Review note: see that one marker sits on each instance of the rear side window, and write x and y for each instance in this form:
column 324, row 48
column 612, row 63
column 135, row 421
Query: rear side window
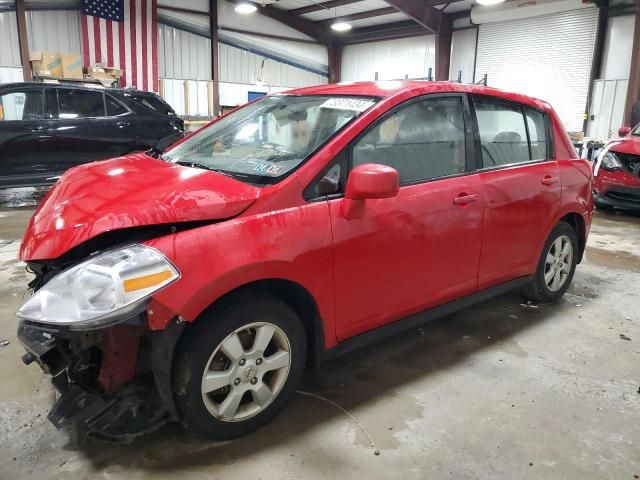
column 503, row 135
column 537, row 133
column 114, row 107
column 423, row 140
column 25, row 105
column 153, row 103
column 80, row 104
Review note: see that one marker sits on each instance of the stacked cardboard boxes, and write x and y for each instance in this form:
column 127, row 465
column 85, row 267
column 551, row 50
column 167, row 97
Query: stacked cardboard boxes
column 69, row 66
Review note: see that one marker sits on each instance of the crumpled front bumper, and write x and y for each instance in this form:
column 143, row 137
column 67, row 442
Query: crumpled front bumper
column 106, row 384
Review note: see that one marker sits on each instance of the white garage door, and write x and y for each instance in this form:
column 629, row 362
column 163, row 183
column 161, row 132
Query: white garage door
column 547, row 57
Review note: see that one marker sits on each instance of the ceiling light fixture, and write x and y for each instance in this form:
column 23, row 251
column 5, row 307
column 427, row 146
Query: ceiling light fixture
column 341, row 26
column 489, row 2
column 245, row 8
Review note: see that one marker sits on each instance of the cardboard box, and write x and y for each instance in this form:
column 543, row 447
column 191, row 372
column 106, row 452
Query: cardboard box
column 72, row 66
column 46, row 64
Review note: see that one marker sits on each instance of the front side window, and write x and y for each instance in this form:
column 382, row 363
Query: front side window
column 422, row 141
column 151, row 102
column 503, row 135
column 80, row 104
column 265, row 140
column 22, row 106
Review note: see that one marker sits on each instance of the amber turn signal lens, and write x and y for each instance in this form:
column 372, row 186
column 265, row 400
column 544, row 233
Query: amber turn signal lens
column 146, row 281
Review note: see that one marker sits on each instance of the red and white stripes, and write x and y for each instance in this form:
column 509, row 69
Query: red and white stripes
column 131, row 45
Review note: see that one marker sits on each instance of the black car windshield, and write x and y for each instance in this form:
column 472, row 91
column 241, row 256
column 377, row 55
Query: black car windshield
column 265, row 140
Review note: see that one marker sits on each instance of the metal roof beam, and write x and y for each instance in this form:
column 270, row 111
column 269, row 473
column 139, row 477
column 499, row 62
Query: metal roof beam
column 360, row 15
column 422, row 13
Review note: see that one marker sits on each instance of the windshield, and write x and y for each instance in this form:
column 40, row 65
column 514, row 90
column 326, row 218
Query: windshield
column 636, row 131
column 269, row 138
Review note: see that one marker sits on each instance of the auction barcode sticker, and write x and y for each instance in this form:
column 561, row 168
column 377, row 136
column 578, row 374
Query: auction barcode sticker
column 353, row 104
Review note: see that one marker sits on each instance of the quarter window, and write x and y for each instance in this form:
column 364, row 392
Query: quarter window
column 26, row 105
column 537, row 134
column 503, row 135
column 422, row 141
column 80, row 104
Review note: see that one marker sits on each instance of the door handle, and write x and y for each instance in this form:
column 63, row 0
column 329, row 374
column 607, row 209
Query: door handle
column 123, row 124
column 38, row 129
column 549, row 180
column 464, row 199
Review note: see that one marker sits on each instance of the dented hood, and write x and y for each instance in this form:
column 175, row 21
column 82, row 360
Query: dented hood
column 132, row 191
column 629, row 145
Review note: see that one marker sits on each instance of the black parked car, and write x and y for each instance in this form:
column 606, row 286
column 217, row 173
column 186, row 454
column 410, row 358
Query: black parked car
column 47, row 128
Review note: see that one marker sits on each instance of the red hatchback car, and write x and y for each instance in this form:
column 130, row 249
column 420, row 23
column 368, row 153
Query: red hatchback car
column 617, row 172
column 199, row 285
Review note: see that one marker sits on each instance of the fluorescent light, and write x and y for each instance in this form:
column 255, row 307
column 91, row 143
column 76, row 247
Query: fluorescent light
column 245, row 8
column 341, row 26
column 489, row 2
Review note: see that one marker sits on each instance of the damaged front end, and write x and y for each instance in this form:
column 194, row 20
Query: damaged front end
column 87, row 326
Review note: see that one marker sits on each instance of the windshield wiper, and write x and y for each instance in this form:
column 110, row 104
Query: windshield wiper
column 204, row 167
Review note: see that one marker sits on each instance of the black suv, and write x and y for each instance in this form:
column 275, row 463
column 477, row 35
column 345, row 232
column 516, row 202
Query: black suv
column 46, row 128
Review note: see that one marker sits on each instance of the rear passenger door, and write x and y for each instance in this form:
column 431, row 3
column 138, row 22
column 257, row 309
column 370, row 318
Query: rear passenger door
column 421, row 248
column 521, row 188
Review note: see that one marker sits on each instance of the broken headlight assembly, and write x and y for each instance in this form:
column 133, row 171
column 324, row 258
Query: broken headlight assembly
column 101, row 291
column 610, row 161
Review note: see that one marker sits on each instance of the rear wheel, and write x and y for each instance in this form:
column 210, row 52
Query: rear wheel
column 556, row 266
column 238, row 366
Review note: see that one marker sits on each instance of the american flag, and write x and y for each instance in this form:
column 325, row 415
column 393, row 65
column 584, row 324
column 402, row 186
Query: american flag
column 123, row 34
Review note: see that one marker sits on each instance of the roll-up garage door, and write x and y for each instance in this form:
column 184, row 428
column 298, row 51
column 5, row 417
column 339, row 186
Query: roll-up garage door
column 548, row 57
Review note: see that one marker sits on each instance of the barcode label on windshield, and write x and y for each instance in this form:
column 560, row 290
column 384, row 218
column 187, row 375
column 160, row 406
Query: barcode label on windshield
column 353, row 104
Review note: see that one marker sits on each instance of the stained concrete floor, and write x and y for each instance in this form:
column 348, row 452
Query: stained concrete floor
column 501, row 390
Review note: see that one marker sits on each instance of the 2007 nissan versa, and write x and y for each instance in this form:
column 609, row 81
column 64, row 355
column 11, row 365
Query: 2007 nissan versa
column 197, row 286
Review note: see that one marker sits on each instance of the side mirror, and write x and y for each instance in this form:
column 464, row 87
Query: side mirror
column 624, row 131
column 371, row 180
column 368, row 180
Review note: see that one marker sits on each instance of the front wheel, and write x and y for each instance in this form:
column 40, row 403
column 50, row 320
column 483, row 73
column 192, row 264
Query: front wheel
column 237, row 367
column 556, row 266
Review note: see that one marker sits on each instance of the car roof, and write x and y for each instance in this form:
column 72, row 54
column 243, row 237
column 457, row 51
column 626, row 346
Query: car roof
column 79, row 86
column 389, row 88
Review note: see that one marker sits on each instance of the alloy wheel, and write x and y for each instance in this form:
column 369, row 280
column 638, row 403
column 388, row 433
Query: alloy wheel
column 246, row 372
column 558, row 263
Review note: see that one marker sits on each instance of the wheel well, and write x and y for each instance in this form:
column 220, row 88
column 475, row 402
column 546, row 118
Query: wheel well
column 577, row 223
column 299, row 299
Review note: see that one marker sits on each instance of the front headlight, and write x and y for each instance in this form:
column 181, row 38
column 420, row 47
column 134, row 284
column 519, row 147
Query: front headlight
column 610, row 161
column 101, row 290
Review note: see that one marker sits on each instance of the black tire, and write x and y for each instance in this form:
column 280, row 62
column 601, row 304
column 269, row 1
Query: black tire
column 537, row 290
column 201, row 339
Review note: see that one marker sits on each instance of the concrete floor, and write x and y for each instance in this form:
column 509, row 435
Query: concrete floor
column 501, row 390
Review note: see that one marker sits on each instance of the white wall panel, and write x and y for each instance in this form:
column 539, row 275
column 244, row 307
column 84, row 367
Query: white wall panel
column 548, row 57
column 392, row 59
column 54, row 30
column 183, row 55
column 9, row 48
column 607, row 108
column 463, row 54
column 10, row 74
column 616, row 58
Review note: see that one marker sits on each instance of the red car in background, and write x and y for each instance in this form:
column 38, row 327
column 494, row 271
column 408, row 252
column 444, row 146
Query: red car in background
column 617, row 172
column 197, row 286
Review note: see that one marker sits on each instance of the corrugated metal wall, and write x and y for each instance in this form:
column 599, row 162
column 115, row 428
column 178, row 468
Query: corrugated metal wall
column 547, row 57
column 54, row 31
column 51, row 30
column 184, row 55
column 391, row 59
column 9, row 48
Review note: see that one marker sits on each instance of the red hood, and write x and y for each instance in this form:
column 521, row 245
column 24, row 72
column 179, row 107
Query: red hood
column 629, row 145
column 130, row 191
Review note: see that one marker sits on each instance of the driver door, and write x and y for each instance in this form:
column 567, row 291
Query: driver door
column 421, row 248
